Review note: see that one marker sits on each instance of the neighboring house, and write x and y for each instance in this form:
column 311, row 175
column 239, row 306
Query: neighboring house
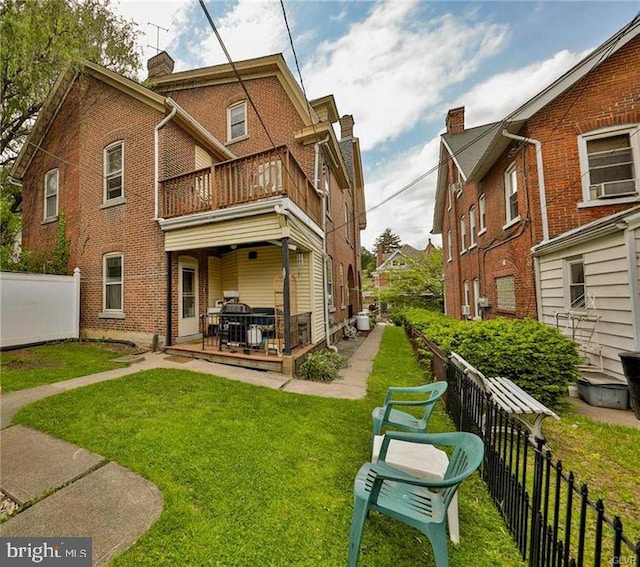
column 174, row 193
column 391, row 261
column 539, row 213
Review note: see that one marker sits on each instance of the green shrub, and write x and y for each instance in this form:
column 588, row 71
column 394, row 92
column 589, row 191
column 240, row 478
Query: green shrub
column 322, row 366
column 535, row 356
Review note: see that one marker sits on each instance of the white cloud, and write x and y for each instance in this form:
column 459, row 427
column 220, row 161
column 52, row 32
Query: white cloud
column 390, row 68
column 500, row 94
column 410, row 215
column 250, row 29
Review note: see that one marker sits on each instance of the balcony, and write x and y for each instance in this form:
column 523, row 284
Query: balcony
column 244, row 180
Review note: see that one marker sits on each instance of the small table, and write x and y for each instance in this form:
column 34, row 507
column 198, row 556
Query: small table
column 422, row 461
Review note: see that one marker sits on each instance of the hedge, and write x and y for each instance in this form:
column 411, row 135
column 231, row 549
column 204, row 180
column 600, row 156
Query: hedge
column 535, row 356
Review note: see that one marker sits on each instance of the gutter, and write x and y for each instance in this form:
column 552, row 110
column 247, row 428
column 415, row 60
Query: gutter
column 541, row 185
column 156, row 157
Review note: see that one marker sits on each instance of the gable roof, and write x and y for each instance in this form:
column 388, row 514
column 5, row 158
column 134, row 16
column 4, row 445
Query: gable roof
column 65, row 82
column 479, row 153
column 406, row 250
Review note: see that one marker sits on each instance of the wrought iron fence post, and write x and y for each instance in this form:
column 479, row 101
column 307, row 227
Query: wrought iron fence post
column 536, row 497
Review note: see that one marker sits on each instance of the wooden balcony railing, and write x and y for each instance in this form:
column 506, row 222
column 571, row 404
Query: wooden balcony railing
column 243, row 180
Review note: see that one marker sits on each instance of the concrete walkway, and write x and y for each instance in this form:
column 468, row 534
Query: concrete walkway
column 73, row 492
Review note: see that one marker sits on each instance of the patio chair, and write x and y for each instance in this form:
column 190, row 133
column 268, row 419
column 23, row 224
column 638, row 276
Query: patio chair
column 418, row 502
column 386, row 415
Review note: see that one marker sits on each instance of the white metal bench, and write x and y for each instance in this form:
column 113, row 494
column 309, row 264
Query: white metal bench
column 510, row 397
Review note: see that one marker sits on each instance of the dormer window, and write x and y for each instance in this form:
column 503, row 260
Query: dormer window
column 237, row 121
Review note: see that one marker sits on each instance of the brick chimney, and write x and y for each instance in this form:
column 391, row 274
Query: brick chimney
column 346, row 126
column 160, row 65
column 455, row 120
column 379, row 257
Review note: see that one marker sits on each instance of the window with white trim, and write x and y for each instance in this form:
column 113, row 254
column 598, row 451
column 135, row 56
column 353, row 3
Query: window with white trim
column 51, row 186
column 113, row 282
column 342, row 295
column 476, row 296
column 482, row 207
column 114, row 172
column 330, row 282
column 575, row 283
column 511, row 194
column 467, row 299
column 463, row 234
column 506, row 293
column 449, row 246
column 237, row 120
column 472, row 227
column 610, row 164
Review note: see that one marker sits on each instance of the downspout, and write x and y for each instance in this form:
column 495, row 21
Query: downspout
column 541, row 185
column 156, row 143
column 324, row 244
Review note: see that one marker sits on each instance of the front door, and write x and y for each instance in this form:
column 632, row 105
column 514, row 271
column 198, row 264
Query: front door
column 188, row 323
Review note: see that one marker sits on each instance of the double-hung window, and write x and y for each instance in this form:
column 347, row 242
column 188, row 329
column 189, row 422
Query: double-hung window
column 330, row 283
column 51, row 185
column 113, row 282
column 511, row 194
column 114, row 172
column 610, row 165
column 449, row 247
column 237, row 120
column 463, row 234
column 482, row 209
column 575, row 277
column 342, row 294
column 472, row 227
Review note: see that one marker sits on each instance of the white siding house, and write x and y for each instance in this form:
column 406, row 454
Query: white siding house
column 589, row 287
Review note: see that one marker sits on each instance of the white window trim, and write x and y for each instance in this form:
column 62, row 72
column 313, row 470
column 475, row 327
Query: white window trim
column 342, row 290
column 482, row 204
column 112, row 313
column 566, row 279
column 473, row 235
column 463, row 235
column 507, row 196
column 476, row 296
column 44, row 193
column 634, row 137
column 329, row 290
column 449, row 247
column 244, row 136
column 115, row 200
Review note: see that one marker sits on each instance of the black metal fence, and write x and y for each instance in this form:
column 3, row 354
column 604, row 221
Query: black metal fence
column 548, row 512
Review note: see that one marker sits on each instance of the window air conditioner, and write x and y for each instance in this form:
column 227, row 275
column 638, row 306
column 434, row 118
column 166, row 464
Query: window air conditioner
column 466, row 311
column 614, row 189
column 483, row 302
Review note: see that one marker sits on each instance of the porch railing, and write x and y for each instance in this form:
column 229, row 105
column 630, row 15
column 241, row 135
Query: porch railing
column 252, row 332
column 550, row 515
column 243, row 180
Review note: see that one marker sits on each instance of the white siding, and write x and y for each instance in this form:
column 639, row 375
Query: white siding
column 607, row 285
column 240, row 231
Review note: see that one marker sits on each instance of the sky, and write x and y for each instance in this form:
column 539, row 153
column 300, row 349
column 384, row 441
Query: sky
column 397, row 67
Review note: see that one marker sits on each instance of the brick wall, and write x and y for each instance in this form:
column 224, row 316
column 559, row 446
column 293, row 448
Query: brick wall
column 608, row 96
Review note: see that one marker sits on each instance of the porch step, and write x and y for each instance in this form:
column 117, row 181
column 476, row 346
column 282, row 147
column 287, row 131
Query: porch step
column 244, row 361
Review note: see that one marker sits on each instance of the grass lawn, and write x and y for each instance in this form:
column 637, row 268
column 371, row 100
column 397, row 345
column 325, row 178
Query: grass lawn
column 35, row 366
column 252, row 476
column 606, row 457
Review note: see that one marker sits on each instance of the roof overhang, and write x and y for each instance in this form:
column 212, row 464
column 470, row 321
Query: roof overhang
column 591, row 231
column 326, row 108
column 318, row 133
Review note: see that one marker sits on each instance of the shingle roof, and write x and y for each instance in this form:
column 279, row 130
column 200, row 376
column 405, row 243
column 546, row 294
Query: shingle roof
column 468, row 146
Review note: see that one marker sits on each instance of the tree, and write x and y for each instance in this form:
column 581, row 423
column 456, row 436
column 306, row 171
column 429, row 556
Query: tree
column 39, row 39
column 419, row 282
column 368, row 261
column 388, row 241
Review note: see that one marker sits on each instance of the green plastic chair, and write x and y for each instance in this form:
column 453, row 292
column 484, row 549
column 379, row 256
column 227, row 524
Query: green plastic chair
column 421, row 503
column 386, row 415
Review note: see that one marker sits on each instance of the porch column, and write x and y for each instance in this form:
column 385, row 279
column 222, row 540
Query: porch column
column 285, row 295
column 169, row 293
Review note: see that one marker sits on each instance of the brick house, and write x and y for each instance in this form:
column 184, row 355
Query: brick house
column 538, row 213
column 174, row 194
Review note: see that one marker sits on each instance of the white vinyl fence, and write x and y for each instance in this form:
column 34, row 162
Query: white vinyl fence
column 38, row 307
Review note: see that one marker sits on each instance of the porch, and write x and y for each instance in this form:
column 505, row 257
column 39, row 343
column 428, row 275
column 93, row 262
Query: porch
column 259, row 176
